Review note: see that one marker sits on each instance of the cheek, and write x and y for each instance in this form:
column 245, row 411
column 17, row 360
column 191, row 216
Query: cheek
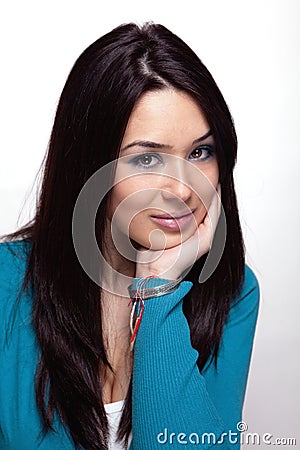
column 120, row 192
column 115, row 198
column 128, row 201
column 214, row 176
column 212, row 173
column 204, row 190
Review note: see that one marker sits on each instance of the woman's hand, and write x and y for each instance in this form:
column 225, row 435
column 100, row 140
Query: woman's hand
column 172, row 262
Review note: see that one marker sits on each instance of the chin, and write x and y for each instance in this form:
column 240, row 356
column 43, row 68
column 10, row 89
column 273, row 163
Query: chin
column 157, row 244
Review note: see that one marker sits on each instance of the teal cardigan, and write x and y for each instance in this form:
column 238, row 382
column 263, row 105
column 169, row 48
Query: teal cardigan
column 174, row 405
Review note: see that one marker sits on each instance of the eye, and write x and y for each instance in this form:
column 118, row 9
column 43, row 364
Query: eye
column 147, row 160
column 202, row 153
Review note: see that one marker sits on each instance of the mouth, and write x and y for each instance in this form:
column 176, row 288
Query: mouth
column 174, row 221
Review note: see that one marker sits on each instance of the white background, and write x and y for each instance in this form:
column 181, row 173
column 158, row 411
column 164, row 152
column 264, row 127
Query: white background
column 252, row 49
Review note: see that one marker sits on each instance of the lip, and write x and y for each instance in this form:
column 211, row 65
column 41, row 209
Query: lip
column 174, row 221
column 174, row 215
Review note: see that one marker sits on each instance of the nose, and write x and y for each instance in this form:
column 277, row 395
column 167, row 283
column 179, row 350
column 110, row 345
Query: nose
column 175, row 189
column 175, row 184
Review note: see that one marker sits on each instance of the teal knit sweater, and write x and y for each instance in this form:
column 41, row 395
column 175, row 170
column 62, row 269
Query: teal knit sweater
column 174, row 405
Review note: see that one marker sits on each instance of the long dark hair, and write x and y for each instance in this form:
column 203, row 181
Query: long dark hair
column 99, row 95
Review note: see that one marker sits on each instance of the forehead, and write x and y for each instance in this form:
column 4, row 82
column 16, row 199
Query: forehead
column 167, row 116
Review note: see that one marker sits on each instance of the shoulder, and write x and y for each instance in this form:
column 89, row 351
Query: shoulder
column 18, row 248
column 250, row 280
column 13, row 260
column 249, row 287
column 14, row 249
column 246, row 303
column 13, row 263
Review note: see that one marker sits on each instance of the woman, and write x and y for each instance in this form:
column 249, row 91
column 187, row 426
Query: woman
column 172, row 363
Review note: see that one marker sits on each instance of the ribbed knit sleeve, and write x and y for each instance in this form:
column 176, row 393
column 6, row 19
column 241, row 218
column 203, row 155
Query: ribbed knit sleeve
column 174, row 405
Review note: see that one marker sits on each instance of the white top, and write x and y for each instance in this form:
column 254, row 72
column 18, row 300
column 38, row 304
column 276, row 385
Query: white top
column 114, row 412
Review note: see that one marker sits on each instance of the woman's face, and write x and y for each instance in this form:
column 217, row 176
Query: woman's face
column 166, row 173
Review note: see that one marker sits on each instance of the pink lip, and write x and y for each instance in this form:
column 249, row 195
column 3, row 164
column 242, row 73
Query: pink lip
column 175, row 215
column 174, row 221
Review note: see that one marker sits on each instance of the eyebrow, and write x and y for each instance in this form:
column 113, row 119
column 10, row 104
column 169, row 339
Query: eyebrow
column 150, row 144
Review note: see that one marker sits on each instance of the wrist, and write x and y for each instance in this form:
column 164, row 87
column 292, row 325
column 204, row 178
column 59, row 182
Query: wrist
column 148, row 287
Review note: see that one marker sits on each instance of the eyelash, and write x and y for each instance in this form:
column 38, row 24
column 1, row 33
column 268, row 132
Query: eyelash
column 136, row 161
